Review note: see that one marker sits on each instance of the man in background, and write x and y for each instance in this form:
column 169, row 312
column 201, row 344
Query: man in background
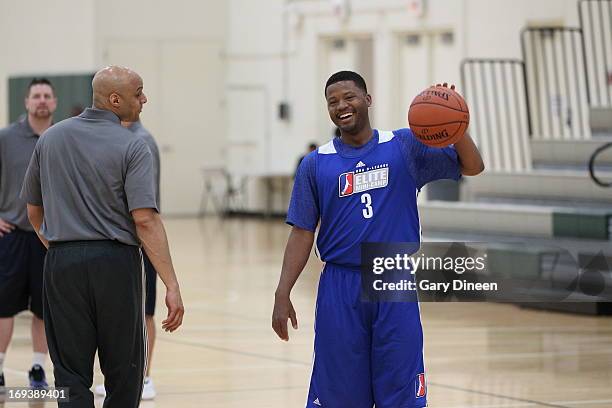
column 311, row 148
column 22, row 255
column 148, row 391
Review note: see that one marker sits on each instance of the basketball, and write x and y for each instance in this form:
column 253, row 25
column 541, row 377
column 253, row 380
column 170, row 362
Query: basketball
column 438, row 116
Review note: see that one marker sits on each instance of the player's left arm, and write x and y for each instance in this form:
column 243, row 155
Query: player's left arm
column 470, row 160
column 31, row 193
column 36, row 214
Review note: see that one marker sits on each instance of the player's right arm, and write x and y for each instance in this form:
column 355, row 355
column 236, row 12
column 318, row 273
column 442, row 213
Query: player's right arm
column 297, row 252
column 303, row 216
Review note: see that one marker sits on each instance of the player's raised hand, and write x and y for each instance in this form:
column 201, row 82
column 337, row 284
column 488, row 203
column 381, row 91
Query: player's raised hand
column 445, row 85
column 283, row 310
column 5, row 228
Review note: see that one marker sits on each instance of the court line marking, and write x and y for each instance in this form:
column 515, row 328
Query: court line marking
column 501, row 396
column 17, row 372
column 232, row 351
column 516, row 356
column 604, row 401
column 302, row 363
column 496, row 406
column 501, row 356
column 232, row 390
column 519, row 405
column 241, row 367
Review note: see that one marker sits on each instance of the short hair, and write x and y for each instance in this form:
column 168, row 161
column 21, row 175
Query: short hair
column 347, row 76
column 312, row 146
column 39, row 81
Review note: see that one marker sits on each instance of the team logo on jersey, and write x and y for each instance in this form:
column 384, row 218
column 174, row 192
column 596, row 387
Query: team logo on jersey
column 420, row 386
column 346, row 184
column 362, row 180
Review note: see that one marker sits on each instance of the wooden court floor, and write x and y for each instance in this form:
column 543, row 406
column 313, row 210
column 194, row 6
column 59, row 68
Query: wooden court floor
column 226, row 355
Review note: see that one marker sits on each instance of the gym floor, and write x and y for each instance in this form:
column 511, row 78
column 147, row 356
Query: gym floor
column 477, row 355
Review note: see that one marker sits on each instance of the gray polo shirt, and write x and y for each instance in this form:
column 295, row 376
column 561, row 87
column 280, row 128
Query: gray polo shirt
column 140, row 130
column 88, row 172
column 17, row 142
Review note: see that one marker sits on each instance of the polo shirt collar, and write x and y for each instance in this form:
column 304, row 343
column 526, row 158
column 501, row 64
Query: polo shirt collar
column 135, row 126
column 94, row 113
column 25, row 125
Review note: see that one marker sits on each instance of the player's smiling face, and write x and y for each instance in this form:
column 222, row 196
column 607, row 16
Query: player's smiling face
column 348, row 105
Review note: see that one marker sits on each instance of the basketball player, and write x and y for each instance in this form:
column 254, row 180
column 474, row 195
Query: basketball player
column 148, row 390
column 21, row 253
column 365, row 353
column 91, row 181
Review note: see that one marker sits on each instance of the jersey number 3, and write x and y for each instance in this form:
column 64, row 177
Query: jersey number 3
column 366, row 199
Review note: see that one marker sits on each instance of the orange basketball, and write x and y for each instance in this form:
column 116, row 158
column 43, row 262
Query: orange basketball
column 438, row 116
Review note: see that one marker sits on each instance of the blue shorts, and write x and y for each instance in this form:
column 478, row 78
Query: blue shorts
column 365, row 354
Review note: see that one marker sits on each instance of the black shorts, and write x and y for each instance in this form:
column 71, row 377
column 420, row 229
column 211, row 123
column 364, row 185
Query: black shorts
column 22, row 258
column 151, row 285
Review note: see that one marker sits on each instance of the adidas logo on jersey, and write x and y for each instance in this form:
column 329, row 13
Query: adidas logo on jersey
column 360, row 164
column 316, row 402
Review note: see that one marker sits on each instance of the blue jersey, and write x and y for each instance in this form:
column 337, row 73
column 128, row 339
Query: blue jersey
column 366, row 194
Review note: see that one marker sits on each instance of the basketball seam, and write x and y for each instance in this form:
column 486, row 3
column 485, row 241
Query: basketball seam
column 439, row 124
column 455, row 95
column 453, row 136
column 437, row 104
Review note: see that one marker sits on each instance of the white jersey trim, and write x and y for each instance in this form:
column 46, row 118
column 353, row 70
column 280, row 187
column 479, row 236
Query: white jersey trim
column 384, row 136
column 328, row 148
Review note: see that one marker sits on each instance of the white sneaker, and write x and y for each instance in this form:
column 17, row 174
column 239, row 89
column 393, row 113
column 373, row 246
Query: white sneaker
column 148, row 391
column 100, row 390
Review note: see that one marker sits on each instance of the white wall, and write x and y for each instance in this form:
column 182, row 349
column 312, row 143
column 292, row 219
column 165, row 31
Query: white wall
column 177, row 48
column 259, row 40
column 215, row 71
column 492, row 27
column 43, row 38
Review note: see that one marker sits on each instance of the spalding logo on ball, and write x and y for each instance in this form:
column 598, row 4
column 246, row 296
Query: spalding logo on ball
column 438, row 116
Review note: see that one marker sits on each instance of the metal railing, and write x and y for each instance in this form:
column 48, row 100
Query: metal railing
column 556, row 82
column 500, row 122
column 596, row 23
column 592, row 164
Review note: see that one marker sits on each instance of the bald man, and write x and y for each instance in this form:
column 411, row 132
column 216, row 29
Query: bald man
column 91, row 198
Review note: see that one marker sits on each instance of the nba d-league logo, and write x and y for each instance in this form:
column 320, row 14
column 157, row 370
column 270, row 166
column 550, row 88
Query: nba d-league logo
column 346, row 184
column 420, row 387
column 362, row 180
